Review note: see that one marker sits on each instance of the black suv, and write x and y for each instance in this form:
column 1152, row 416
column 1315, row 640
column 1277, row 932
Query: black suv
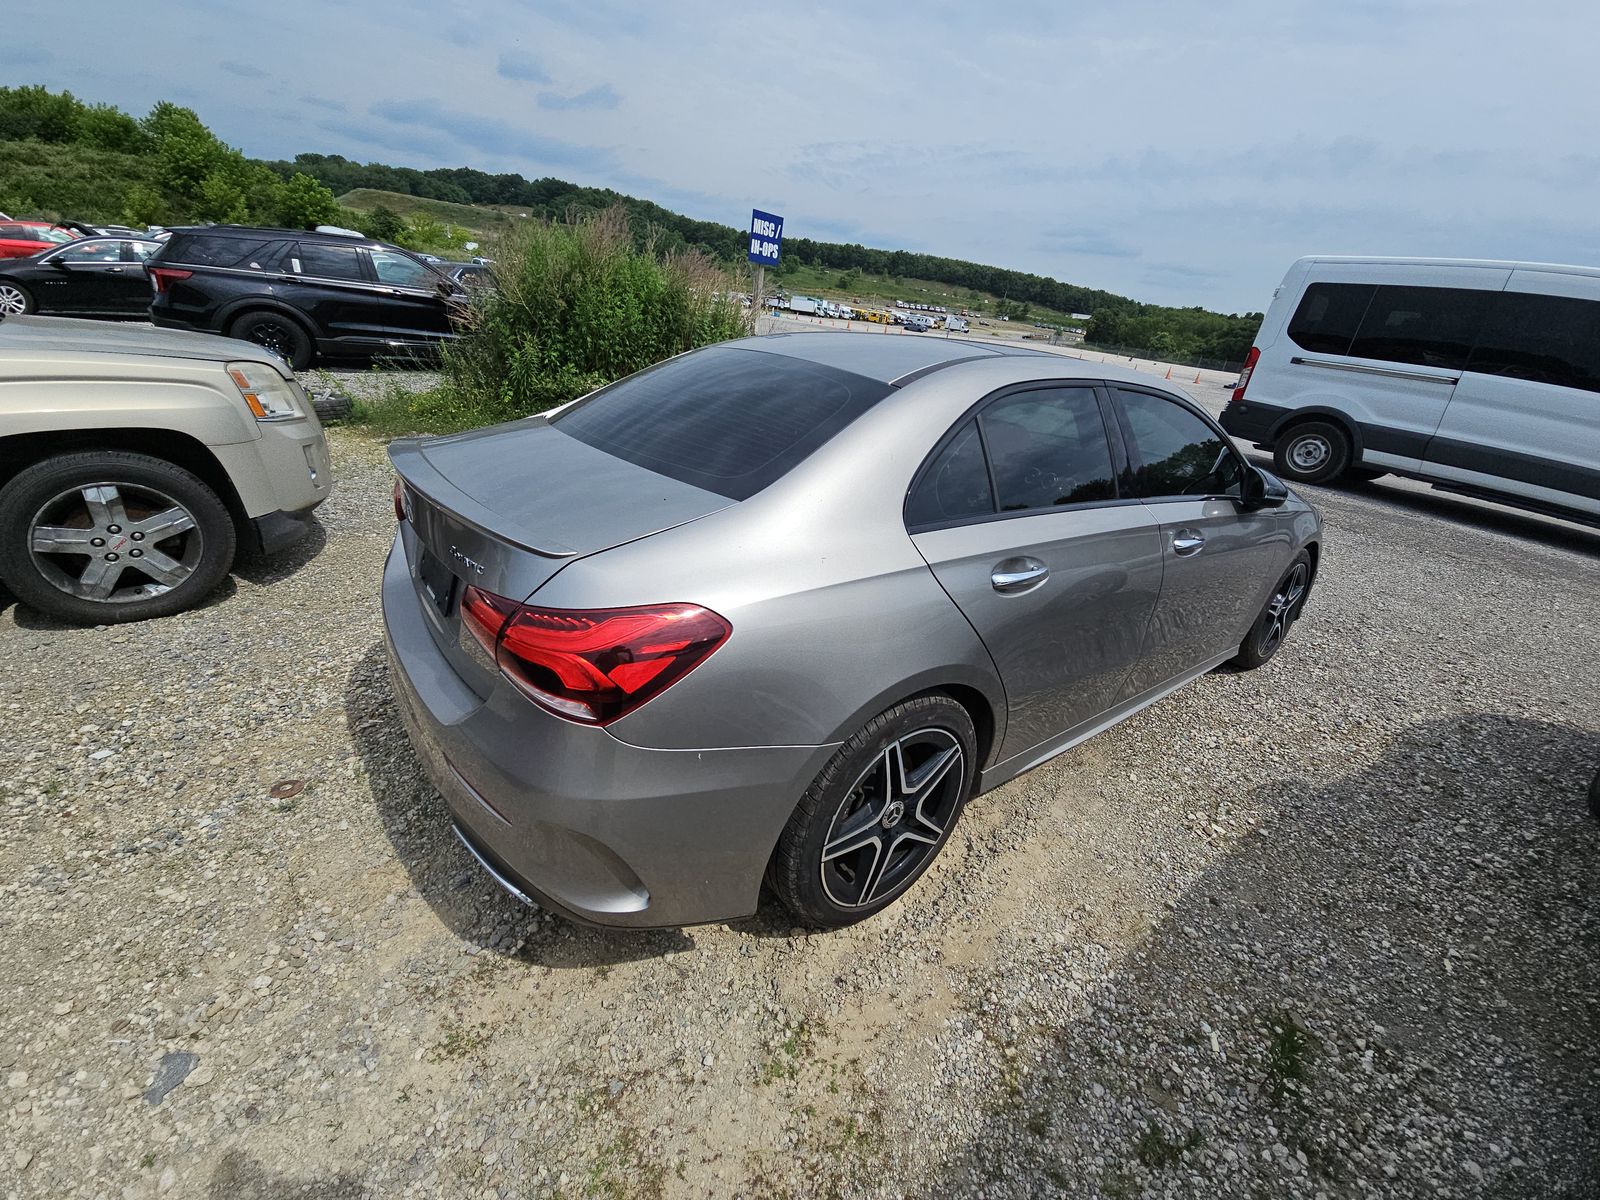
column 300, row 294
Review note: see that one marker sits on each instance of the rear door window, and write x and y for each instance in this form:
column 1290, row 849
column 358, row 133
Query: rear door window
column 1421, row 326
column 1175, row 453
column 1329, row 315
column 1543, row 339
column 1047, row 449
column 327, row 262
column 954, row 486
column 729, row 420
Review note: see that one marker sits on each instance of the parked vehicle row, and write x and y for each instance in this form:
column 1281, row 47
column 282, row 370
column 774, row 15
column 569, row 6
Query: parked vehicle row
column 1478, row 377
column 295, row 293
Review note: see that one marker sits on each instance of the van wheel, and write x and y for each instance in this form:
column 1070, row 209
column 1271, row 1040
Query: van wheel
column 1312, row 452
column 276, row 334
column 105, row 536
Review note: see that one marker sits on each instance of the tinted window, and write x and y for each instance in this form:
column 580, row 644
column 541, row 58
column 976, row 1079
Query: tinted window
column 201, row 250
column 1546, row 339
column 954, row 486
column 402, row 271
column 1423, row 326
column 327, row 262
column 1175, row 453
column 1048, row 448
column 91, row 252
column 1329, row 315
column 728, row 420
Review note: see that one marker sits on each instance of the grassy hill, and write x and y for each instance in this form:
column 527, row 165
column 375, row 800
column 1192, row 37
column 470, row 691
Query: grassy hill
column 470, row 216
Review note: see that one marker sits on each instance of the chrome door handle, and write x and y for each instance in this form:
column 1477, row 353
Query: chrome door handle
column 1018, row 575
column 1188, row 541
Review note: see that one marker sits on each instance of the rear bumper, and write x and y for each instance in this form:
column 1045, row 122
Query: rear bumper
column 585, row 824
column 1252, row 423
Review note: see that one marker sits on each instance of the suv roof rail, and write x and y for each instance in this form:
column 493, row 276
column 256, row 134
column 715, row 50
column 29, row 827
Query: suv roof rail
column 342, row 232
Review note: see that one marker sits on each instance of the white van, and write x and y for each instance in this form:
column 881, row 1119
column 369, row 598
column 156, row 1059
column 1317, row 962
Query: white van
column 1478, row 377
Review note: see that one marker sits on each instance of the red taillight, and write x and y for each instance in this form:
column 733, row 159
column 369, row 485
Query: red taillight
column 400, row 513
column 592, row 665
column 162, row 278
column 1244, row 375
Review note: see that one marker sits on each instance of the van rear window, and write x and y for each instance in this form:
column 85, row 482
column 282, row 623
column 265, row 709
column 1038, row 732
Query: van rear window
column 728, row 420
column 1329, row 315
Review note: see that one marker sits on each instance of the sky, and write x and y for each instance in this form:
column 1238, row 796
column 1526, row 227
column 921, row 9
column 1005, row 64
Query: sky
column 1174, row 152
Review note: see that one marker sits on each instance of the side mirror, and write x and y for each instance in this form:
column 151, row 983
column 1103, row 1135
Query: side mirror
column 1261, row 489
column 59, row 263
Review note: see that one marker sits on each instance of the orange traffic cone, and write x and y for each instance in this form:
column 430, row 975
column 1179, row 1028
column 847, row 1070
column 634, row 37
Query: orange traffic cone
column 1169, row 372
column 1197, row 376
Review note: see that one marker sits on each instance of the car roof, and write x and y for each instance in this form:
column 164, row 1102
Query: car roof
column 886, row 357
column 267, row 231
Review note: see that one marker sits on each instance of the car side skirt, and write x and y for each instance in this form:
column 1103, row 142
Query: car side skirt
column 1026, row 760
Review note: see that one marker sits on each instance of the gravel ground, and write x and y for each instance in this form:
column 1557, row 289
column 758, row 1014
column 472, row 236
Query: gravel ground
column 1326, row 929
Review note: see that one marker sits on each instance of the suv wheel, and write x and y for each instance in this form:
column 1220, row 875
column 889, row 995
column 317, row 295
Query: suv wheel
column 104, row 537
column 277, row 334
column 14, row 300
column 1312, row 452
column 878, row 815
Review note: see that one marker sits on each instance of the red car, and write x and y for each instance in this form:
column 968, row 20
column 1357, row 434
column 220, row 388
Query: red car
column 19, row 239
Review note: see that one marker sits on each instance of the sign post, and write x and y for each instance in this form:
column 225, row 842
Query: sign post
column 766, row 239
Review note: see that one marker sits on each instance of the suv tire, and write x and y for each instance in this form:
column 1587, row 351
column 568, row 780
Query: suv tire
column 878, row 814
column 157, row 525
column 278, row 334
column 1312, row 452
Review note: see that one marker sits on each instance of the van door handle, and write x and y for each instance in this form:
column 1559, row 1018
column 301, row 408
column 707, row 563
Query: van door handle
column 1188, row 541
column 1016, row 575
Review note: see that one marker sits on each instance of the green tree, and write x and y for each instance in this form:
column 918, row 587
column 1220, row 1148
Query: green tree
column 303, row 203
column 384, row 224
column 220, row 199
column 109, row 128
column 188, row 152
column 145, row 206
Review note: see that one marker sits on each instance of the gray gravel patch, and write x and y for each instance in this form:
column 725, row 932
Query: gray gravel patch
column 1328, row 928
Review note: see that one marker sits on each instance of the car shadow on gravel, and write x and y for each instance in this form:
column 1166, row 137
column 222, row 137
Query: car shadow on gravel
column 1440, row 905
column 456, row 888
column 263, row 569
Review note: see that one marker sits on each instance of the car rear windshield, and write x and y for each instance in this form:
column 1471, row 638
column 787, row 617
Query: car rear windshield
column 202, row 250
column 728, row 420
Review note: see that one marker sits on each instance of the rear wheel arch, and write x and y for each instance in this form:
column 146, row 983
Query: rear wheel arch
column 1333, row 416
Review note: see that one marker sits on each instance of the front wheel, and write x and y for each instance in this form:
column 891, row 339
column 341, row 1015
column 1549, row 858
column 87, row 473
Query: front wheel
column 1312, row 452
column 1282, row 610
column 103, row 537
column 878, row 814
column 14, row 300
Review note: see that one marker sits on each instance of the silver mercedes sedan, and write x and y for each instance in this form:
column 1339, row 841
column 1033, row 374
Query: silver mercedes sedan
column 774, row 611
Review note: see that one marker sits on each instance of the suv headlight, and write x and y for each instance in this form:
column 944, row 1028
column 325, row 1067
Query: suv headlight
column 268, row 394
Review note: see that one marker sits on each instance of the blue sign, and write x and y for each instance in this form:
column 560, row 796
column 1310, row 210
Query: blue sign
column 766, row 236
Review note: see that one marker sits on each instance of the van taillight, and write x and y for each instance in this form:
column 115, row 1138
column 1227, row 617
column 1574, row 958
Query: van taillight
column 162, row 278
column 1244, row 375
column 592, row 665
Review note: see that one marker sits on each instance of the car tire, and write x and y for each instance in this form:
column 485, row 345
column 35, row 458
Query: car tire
column 133, row 574
column 331, row 405
column 15, row 300
column 1312, row 452
column 277, row 334
column 877, row 815
column 1282, row 610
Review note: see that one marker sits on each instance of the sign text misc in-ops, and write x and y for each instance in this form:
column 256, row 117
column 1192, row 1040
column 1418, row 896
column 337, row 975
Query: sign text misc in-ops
column 766, row 236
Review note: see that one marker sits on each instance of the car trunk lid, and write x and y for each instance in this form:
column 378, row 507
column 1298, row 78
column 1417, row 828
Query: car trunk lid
column 505, row 508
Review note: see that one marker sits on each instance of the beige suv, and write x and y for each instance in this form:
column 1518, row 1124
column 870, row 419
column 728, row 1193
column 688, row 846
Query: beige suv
column 135, row 461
